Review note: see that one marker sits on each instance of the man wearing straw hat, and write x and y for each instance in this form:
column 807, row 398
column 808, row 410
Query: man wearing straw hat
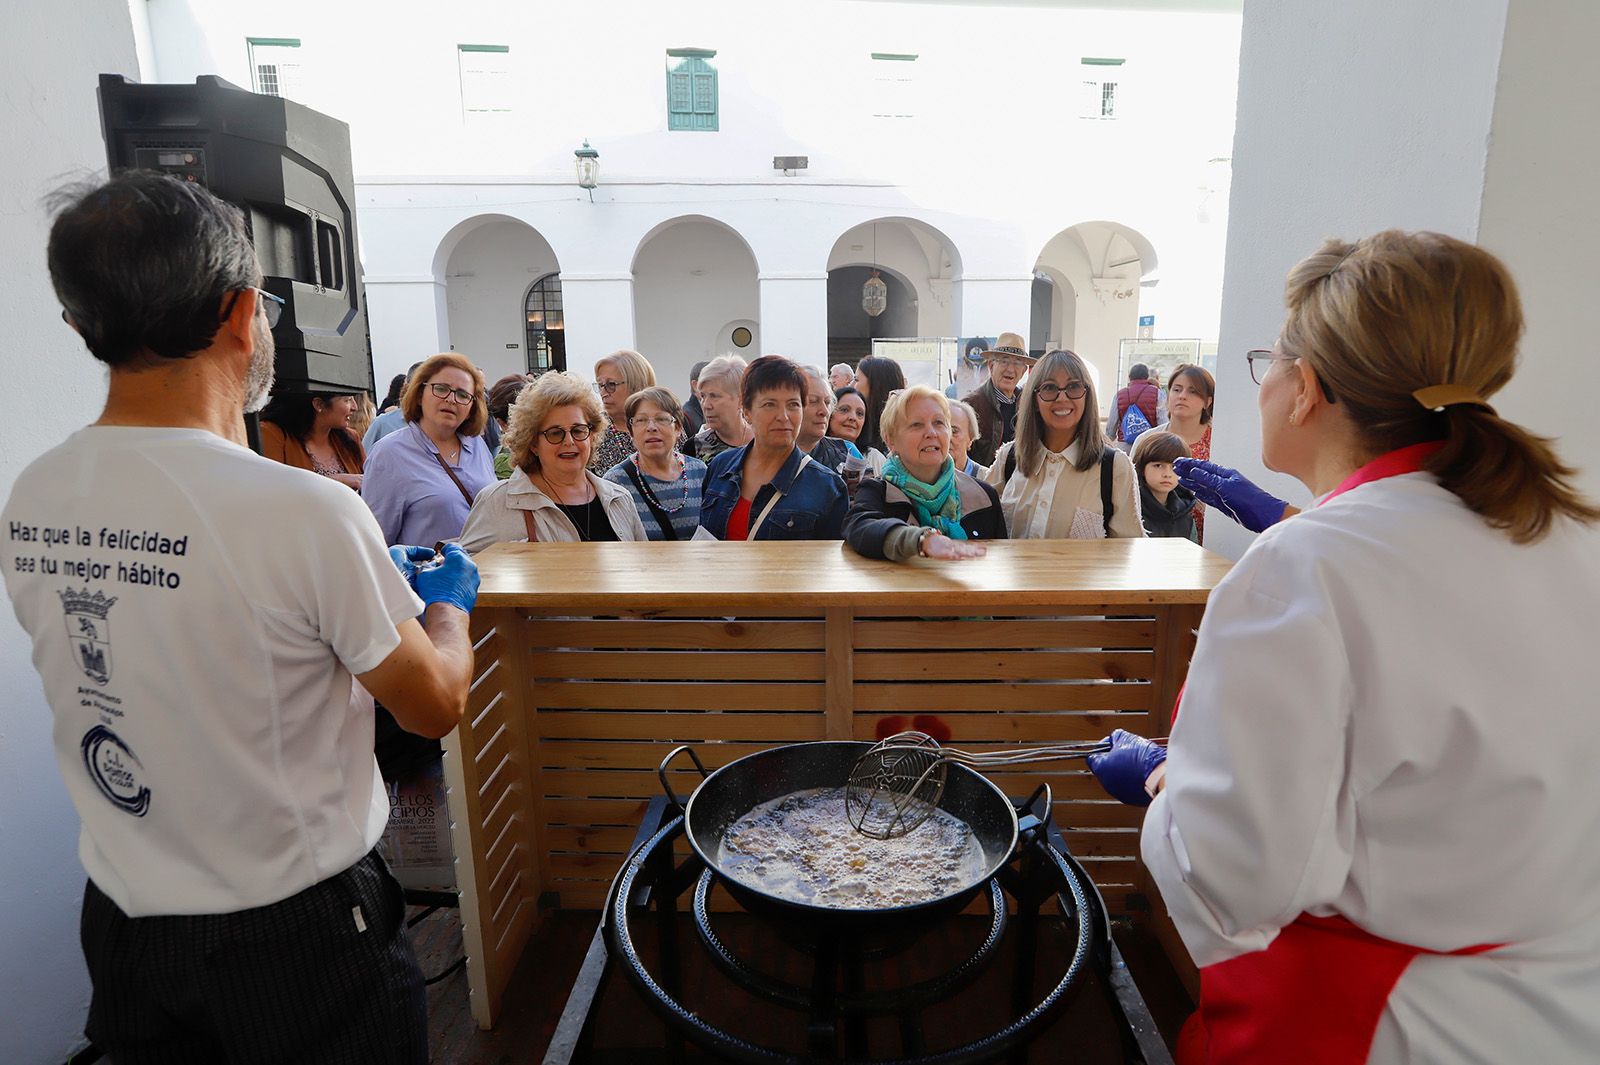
column 996, row 399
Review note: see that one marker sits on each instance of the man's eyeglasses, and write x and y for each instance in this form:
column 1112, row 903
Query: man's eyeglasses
column 269, row 305
column 558, row 433
column 1050, row 391
column 445, row 392
column 605, row 388
column 654, row 421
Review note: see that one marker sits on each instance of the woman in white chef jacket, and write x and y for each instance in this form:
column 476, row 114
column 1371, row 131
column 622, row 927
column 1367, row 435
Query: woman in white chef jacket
column 1379, row 830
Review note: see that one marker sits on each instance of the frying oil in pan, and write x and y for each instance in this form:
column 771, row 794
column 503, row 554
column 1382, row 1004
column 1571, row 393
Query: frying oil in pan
column 801, row 847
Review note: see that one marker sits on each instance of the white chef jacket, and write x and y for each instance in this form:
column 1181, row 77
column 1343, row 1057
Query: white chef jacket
column 1390, row 716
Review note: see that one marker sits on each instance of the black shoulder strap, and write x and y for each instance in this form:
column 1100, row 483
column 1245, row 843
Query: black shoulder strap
column 649, row 497
column 1011, row 461
column 1107, row 458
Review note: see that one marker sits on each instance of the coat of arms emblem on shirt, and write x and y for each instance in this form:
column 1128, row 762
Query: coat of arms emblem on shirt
column 89, row 632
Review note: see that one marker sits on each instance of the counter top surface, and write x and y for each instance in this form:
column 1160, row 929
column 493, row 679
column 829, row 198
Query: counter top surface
column 771, row 576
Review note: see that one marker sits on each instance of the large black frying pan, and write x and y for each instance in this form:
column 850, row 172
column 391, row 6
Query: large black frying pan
column 738, row 787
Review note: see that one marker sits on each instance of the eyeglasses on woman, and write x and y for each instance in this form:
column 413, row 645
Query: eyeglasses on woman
column 1050, row 391
column 558, row 433
column 445, row 392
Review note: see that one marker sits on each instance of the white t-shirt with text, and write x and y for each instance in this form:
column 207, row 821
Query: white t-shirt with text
column 197, row 613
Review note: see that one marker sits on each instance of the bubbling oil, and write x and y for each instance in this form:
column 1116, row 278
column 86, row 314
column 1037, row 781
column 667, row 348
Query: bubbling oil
column 801, row 847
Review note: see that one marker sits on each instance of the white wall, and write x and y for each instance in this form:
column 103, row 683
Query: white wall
column 689, row 282
column 1352, row 118
column 52, row 125
column 486, row 284
column 1541, row 213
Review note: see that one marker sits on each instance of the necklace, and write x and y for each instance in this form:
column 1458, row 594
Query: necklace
column 683, row 499
column 588, row 509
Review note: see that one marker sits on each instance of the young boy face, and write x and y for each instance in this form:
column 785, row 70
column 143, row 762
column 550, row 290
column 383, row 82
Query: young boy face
column 1160, row 477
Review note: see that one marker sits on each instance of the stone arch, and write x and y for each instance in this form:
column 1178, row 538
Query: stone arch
column 487, row 264
column 694, row 279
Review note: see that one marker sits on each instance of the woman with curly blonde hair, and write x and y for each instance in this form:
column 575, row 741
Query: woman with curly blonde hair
column 551, row 493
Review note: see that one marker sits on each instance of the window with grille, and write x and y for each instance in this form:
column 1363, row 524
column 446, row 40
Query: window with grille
column 275, row 66
column 1101, row 77
column 485, row 79
column 547, row 346
column 894, row 85
column 691, row 89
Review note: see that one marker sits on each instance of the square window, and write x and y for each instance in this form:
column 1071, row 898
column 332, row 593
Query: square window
column 692, row 102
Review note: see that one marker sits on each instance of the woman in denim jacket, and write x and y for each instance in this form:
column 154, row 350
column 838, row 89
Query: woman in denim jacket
column 769, row 489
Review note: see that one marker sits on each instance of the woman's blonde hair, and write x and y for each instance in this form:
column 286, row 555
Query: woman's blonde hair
column 1397, row 312
column 637, row 373
column 554, row 389
column 1091, row 435
column 895, row 409
column 477, row 418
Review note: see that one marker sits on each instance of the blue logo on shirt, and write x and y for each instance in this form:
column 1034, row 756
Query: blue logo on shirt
column 115, row 771
column 89, row 631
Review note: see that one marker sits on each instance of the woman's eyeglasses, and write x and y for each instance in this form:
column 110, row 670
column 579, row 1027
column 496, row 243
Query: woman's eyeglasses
column 1261, row 360
column 557, row 433
column 605, row 388
column 1050, row 391
column 445, row 392
column 655, row 421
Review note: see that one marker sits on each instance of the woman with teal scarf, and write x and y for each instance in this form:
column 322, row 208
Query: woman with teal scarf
column 921, row 505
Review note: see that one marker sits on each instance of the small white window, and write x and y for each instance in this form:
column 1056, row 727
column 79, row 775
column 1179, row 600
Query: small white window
column 485, row 79
column 894, row 86
column 1100, row 80
column 275, row 66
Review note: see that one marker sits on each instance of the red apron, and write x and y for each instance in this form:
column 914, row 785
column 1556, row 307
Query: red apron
column 1316, row 994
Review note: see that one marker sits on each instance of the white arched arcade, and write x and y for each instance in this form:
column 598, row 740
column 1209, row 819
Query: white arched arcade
column 489, row 263
column 1089, row 276
column 695, row 296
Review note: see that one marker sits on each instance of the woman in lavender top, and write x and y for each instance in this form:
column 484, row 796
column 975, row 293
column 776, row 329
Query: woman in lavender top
column 414, row 497
column 664, row 484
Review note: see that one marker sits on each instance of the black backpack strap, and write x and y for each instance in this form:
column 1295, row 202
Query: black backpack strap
column 1107, row 459
column 1011, row 463
column 662, row 518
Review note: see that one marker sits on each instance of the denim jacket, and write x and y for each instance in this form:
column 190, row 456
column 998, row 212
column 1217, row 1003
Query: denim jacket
column 811, row 506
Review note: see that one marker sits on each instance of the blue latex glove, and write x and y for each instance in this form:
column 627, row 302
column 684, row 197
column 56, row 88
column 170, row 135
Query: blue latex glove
column 1230, row 492
column 1122, row 770
column 407, row 558
column 453, row 581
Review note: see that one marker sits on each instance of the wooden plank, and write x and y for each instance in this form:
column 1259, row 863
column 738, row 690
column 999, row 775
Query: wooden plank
column 639, row 754
column 1010, row 697
column 689, row 635
column 591, row 840
column 716, row 725
column 837, row 695
column 1002, row 633
column 1005, row 665
column 625, row 695
column 1156, row 919
column 1114, row 576
column 633, row 664
column 625, row 812
column 1176, row 647
column 486, row 688
column 991, row 728
column 1084, row 813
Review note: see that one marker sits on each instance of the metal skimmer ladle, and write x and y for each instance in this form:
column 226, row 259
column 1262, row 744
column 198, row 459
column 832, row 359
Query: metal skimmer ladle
column 897, row 784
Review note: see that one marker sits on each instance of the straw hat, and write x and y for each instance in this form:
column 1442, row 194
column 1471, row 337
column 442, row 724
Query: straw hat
column 1009, row 344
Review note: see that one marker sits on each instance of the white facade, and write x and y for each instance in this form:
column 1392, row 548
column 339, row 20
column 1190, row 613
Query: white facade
column 962, row 159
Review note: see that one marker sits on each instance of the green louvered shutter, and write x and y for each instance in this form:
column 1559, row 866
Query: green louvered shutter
column 691, row 94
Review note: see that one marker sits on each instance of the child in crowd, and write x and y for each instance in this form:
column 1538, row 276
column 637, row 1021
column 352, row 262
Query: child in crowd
column 1167, row 508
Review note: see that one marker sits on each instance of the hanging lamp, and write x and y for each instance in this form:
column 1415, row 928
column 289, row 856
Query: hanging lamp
column 874, row 293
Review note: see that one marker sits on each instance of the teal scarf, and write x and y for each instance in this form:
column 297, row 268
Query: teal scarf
column 936, row 505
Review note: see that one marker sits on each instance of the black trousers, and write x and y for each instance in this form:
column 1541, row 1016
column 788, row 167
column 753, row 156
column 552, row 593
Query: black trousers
column 325, row 977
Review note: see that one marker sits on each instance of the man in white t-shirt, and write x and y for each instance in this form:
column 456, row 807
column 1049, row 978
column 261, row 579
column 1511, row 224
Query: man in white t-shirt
column 200, row 616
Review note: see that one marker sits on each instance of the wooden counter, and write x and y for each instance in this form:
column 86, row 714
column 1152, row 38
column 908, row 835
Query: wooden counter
column 594, row 660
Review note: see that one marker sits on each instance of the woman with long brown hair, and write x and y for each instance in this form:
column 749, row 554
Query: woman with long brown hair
column 1382, row 769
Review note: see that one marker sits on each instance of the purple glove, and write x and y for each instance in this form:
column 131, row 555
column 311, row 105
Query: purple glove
column 1230, row 492
column 407, row 558
column 1122, row 770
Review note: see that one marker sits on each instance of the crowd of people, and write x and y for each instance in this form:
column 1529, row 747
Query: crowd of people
column 766, row 450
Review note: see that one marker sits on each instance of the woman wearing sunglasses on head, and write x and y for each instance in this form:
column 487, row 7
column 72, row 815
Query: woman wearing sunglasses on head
column 420, row 479
column 1381, row 777
column 552, row 495
column 1059, row 479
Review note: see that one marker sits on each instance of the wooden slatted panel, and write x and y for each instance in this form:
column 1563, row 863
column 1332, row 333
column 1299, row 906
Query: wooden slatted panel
column 1001, row 696
column 1005, row 665
column 1004, row 633
column 700, row 634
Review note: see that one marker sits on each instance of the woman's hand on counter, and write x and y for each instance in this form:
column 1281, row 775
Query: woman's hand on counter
column 940, row 546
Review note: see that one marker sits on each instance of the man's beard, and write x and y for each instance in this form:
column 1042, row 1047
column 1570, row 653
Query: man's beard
column 258, row 379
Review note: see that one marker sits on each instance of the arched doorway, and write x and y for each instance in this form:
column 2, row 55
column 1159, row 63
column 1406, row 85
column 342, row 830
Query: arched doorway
column 546, row 344
column 915, row 260
column 1094, row 272
column 492, row 266
column 695, row 296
